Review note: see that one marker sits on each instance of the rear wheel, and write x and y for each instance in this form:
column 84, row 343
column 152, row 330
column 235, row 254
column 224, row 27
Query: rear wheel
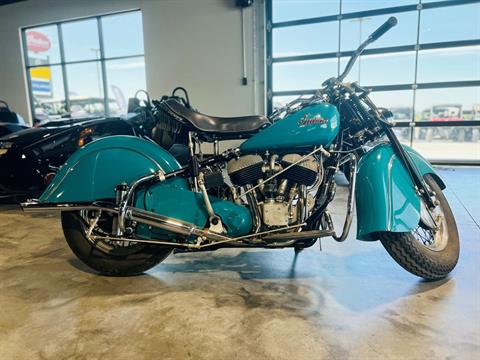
column 109, row 257
column 425, row 252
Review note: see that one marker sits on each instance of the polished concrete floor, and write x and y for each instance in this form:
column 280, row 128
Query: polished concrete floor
column 350, row 301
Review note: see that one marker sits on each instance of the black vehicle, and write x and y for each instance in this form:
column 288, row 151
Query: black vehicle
column 10, row 121
column 31, row 157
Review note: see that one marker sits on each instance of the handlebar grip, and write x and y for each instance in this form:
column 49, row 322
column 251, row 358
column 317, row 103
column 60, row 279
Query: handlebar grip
column 387, row 25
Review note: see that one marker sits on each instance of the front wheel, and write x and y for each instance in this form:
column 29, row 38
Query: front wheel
column 109, row 257
column 430, row 254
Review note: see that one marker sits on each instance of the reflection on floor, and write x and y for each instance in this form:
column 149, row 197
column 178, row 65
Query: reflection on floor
column 350, row 301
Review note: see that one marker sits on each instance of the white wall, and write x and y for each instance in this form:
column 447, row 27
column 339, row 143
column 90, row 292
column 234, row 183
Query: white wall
column 192, row 43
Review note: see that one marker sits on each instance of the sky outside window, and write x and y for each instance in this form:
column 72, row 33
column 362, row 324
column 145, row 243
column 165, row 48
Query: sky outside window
column 452, row 23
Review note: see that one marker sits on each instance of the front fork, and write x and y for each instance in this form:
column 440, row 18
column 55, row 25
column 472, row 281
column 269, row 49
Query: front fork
column 420, row 184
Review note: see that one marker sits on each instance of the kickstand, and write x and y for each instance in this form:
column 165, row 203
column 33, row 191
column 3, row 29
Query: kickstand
column 320, row 244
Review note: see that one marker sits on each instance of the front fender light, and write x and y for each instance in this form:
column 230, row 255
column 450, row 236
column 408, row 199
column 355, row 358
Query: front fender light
column 85, row 136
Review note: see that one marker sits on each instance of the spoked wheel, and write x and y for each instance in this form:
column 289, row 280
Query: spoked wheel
column 428, row 252
column 115, row 258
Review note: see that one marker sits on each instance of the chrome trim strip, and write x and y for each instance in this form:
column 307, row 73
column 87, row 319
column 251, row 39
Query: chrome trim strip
column 389, row 192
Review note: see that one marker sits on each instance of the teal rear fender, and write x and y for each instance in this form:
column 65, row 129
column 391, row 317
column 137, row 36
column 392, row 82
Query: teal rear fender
column 385, row 195
column 94, row 170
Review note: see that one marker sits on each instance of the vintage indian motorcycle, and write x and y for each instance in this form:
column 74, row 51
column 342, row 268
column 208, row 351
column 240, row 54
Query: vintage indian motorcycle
column 126, row 202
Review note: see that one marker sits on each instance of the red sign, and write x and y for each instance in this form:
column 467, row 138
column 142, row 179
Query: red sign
column 37, row 42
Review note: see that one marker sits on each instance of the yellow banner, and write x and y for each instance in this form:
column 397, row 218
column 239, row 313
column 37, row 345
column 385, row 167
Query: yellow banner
column 42, row 73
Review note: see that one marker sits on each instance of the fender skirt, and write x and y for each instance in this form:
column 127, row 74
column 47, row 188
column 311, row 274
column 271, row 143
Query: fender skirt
column 385, row 196
column 94, row 170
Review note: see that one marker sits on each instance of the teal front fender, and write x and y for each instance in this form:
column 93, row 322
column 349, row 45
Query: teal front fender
column 94, row 170
column 385, row 195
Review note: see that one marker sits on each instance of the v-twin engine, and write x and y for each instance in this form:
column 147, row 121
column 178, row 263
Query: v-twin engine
column 282, row 200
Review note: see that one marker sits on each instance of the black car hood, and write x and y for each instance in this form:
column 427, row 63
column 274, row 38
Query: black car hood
column 28, row 138
column 35, row 136
column 9, row 128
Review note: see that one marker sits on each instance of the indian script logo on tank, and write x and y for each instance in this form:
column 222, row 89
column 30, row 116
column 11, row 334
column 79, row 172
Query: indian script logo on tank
column 308, row 119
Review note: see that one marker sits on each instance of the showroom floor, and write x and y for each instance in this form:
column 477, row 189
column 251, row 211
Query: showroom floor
column 350, row 301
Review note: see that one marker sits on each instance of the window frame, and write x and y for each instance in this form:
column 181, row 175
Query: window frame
column 102, row 59
column 270, row 60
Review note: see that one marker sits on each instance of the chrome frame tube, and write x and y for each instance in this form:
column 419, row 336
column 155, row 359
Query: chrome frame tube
column 129, row 196
column 206, row 199
column 350, row 202
column 253, row 204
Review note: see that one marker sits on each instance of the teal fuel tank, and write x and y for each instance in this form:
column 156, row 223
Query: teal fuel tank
column 317, row 124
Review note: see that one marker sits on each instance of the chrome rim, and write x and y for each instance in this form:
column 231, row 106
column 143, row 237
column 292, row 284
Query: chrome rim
column 435, row 239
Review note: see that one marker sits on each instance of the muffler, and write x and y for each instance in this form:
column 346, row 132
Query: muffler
column 170, row 224
column 131, row 213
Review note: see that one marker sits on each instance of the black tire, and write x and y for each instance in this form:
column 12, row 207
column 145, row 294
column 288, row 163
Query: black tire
column 120, row 262
column 420, row 259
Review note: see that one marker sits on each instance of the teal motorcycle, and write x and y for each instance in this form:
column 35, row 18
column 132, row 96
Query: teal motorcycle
column 126, row 203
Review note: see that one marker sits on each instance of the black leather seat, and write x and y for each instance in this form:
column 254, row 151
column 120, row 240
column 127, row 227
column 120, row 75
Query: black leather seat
column 213, row 127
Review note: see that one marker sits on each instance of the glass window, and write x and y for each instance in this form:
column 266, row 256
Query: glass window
column 124, row 77
column 305, row 39
column 42, row 45
column 378, row 69
column 442, row 25
column 303, row 75
column 355, row 31
column 450, row 64
column 80, row 40
column 349, row 6
column 448, row 143
column 404, row 135
column 447, row 104
column 399, row 102
column 450, row 23
column 279, row 101
column 285, row 10
column 122, row 34
column 85, row 89
column 48, row 92
column 89, row 88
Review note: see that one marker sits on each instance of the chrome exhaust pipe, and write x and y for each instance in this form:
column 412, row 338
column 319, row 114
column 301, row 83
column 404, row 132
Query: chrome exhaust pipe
column 32, row 206
column 131, row 213
column 176, row 226
column 170, row 224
